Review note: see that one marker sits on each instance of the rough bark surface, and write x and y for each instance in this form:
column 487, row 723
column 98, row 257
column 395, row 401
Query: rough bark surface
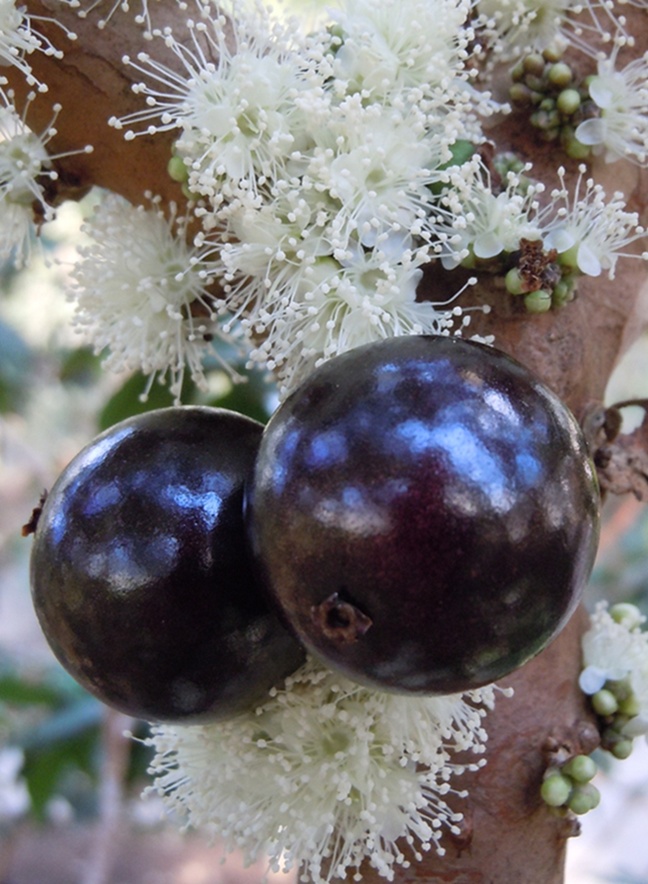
column 509, row 836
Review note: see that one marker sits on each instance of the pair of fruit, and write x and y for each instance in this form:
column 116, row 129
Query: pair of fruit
column 421, row 514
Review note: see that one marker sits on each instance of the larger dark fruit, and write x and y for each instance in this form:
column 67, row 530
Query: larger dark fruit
column 425, row 513
column 141, row 575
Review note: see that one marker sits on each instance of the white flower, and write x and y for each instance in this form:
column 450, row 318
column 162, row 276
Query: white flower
column 325, row 774
column 236, row 101
column 26, row 173
column 513, row 27
column 411, row 53
column 614, row 650
column 621, row 129
column 143, row 17
column 25, row 167
column 396, row 45
column 589, row 230
column 476, row 219
column 140, row 292
column 19, row 38
column 339, row 306
column 16, row 39
column 305, row 287
column 14, row 796
column 376, row 165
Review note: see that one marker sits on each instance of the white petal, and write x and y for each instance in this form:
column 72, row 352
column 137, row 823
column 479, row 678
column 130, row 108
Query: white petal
column 636, row 727
column 592, row 131
column 559, row 239
column 587, row 261
column 592, row 679
column 487, row 245
column 600, row 93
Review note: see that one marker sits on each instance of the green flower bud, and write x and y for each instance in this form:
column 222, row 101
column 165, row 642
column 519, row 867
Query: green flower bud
column 563, row 291
column 556, row 789
column 630, row 706
column 580, row 768
column 534, row 64
column 568, row 101
column 177, row 169
column 626, row 614
column 575, row 149
column 569, row 258
column 584, row 798
column 545, row 119
column 604, row 702
column 622, row 749
column 621, row 688
column 514, row 282
column 552, row 53
column 560, row 75
column 517, row 72
column 519, row 93
column 538, row 302
column 537, row 84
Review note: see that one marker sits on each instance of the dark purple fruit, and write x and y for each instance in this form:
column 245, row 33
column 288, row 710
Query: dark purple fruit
column 425, row 514
column 141, row 575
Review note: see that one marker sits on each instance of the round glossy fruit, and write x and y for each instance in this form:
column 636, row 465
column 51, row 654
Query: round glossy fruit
column 425, row 514
column 141, row 575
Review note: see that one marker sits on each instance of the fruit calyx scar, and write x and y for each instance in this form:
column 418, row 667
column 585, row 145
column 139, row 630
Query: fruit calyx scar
column 339, row 620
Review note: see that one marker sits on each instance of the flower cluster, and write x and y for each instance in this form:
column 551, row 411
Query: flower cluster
column 568, row 786
column 25, row 162
column 19, row 38
column 326, row 773
column 315, row 160
column 615, row 674
column 329, row 169
column 151, row 308
column 541, row 242
column 621, row 96
column 510, row 28
column 588, row 230
column 26, row 171
column 142, row 17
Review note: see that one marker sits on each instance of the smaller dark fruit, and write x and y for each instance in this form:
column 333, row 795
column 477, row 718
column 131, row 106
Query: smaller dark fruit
column 425, row 514
column 141, row 575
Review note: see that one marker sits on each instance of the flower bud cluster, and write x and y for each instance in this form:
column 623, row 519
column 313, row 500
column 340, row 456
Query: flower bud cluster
column 568, row 786
column 615, row 675
column 557, row 102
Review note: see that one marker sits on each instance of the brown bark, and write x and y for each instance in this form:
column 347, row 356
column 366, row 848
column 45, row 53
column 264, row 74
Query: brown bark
column 509, row 836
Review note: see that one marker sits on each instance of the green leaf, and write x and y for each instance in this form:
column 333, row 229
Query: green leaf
column 19, row 692
column 250, row 398
column 127, row 401
column 63, row 742
column 45, row 770
column 80, row 366
column 16, row 360
column 62, row 726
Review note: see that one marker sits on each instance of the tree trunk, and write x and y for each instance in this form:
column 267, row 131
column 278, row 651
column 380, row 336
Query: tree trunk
column 509, row 836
